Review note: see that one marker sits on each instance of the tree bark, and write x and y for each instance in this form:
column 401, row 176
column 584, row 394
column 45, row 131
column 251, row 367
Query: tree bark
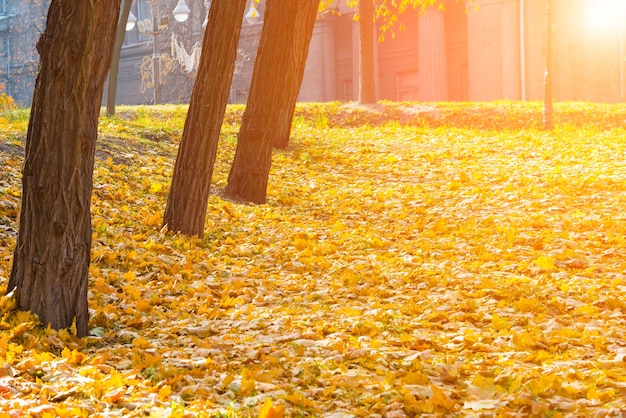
column 51, row 259
column 367, row 75
column 115, row 60
column 249, row 173
column 189, row 193
column 299, row 51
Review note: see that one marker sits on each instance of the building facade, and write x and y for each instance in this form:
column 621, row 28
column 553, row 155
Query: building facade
column 472, row 51
column 21, row 24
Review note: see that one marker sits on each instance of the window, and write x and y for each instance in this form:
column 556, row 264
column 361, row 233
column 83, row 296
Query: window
column 143, row 29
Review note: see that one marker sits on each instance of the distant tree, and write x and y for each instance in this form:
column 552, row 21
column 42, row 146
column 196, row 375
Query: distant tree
column 189, row 193
column 115, row 60
column 548, row 120
column 50, row 268
column 266, row 105
column 367, row 75
column 299, row 52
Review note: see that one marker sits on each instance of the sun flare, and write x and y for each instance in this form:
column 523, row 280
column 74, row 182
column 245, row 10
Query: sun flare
column 605, row 16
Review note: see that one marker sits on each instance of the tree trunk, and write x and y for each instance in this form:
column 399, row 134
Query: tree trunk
column 115, row 60
column 266, row 103
column 189, row 194
column 305, row 21
column 51, row 259
column 367, row 75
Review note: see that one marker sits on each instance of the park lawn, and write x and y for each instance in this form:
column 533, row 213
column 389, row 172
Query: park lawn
column 412, row 260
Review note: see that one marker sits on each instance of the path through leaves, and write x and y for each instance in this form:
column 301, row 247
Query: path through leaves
column 397, row 270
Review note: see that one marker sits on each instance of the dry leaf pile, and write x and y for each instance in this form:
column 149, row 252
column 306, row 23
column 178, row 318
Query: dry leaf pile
column 397, row 270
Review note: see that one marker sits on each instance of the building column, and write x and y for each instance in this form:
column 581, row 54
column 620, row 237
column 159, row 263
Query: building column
column 432, row 67
column 320, row 76
column 327, row 29
column 495, row 50
column 355, row 60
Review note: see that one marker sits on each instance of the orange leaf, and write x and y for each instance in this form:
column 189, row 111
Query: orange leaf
column 440, row 399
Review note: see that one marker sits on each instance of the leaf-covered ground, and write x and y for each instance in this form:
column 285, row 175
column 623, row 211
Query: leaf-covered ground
column 450, row 260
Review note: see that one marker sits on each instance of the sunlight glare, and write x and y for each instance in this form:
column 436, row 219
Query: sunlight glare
column 605, row 16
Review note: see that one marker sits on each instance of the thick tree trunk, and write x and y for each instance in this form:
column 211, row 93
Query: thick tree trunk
column 51, row 260
column 367, row 75
column 189, row 194
column 305, row 21
column 115, row 60
column 266, row 102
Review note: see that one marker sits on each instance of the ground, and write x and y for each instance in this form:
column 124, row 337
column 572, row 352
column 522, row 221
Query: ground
column 450, row 261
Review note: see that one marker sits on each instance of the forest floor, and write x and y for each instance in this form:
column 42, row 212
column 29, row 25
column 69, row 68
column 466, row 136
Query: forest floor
column 412, row 260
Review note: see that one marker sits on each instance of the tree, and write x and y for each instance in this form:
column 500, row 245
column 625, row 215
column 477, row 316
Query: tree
column 548, row 122
column 367, row 75
column 50, row 268
column 266, row 103
column 299, row 53
column 189, row 193
column 115, row 60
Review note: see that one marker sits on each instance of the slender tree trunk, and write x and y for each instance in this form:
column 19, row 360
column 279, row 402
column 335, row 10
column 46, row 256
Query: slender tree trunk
column 548, row 111
column 115, row 60
column 367, row 76
column 189, row 194
column 305, row 22
column 249, row 173
column 51, row 259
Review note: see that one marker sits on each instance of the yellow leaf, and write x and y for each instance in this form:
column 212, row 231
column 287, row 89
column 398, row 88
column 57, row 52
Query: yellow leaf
column 142, row 343
column 543, row 384
column 76, row 357
column 416, row 378
column 7, row 302
column 546, row 263
column 440, row 226
column 143, row 305
column 248, row 386
column 299, row 399
column 164, row 392
column 155, row 188
column 376, row 242
column 268, row 410
column 440, row 399
column 300, row 241
column 525, row 340
column 116, row 379
column 498, row 323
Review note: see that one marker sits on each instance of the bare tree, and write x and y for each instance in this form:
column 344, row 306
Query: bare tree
column 299, row 52
column 189, row 194
column 367, row 76
column 266, row 104
column 115, row 61
column 51, row 260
